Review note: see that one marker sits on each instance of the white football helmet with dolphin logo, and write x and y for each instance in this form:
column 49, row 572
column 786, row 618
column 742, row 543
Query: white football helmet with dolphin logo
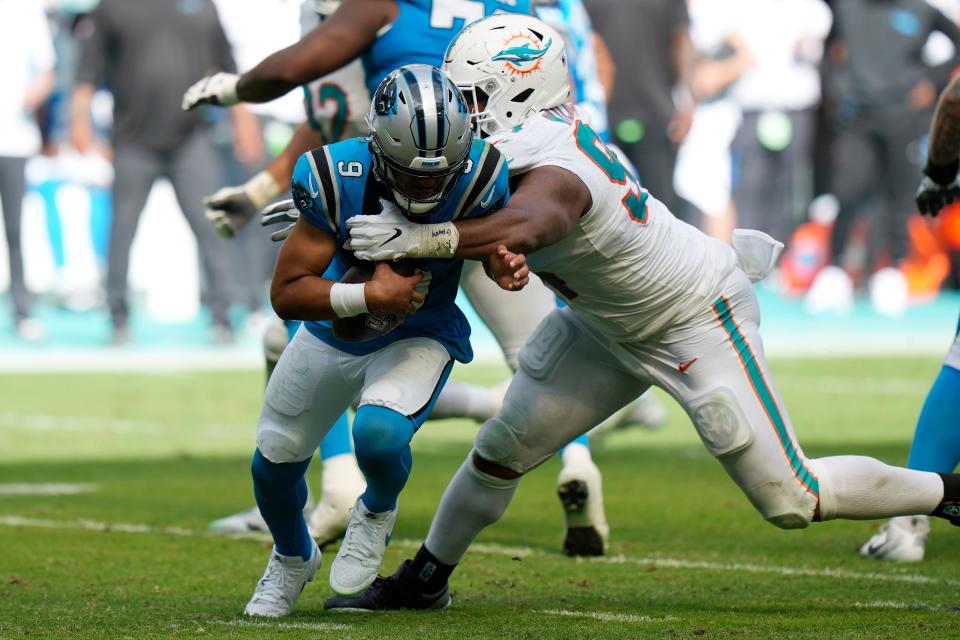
column 509, row 66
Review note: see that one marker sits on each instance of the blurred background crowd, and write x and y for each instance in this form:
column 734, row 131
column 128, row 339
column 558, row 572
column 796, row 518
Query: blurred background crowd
column 802, row 118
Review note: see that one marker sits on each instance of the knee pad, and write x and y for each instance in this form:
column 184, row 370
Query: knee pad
column 783, row 506
column 279, row 444
column 498, row 441
column 380, row 432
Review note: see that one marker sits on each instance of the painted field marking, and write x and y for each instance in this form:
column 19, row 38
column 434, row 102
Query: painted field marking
column 605, row 617
column 310, row 626
column 893, row 604
column 512, row 552
column 46, row 488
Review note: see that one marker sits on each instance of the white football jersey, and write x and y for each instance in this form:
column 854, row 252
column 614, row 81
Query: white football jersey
column 629, row 268
column 337, row 103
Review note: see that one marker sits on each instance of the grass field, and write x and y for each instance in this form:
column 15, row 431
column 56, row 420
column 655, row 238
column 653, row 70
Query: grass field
column 157, row 457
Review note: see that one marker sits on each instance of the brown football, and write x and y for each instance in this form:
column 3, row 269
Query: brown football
column 367, row 326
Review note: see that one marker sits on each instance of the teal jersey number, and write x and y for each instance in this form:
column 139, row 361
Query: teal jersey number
column 635, row 202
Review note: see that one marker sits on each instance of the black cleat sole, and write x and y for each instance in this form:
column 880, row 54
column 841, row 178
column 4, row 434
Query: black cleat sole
column 573, row 495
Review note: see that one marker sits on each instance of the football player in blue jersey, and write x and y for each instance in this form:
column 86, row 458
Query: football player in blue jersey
column 420, row 158
column 936, row 441
column 386, row 34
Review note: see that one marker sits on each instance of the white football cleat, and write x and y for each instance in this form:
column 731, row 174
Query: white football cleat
column 901, row 539
column 242, row 522
column 281, row 584
column 361, row 552
column 580, row 489
column 342, row 484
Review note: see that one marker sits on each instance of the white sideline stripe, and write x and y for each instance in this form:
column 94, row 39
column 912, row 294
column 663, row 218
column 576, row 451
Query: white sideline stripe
column 676, row 563
column 893, row 604
column 605, row 617
column 81, row 424
column 311, row 626
column 513, row 552
column 844, row 386
column 46, row 488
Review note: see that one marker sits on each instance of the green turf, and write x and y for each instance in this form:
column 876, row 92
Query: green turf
column 172, row 451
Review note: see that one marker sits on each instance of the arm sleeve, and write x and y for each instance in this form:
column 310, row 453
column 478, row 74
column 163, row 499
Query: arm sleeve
column 309, row 187
column 95, row 38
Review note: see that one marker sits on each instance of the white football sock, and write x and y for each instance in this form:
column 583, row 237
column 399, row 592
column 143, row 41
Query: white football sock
column 461, row 400
column 861, row 488
column 472, row 501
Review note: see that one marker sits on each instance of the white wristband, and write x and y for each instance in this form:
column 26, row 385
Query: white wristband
column 261, row 189
column 439, row 241
column 348, row 300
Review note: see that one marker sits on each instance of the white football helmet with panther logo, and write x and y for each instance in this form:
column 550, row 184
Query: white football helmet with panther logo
column 510, row 66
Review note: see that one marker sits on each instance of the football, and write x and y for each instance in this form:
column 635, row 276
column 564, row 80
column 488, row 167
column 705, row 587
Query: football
column 367, row 326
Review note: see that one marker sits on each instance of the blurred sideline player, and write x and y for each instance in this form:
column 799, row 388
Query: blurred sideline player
column 652, row 300
column 422, row 163
column 335, row 106
column 379, row 32
column 936, row 442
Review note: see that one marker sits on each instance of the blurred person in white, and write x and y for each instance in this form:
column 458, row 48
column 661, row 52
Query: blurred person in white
column 26, row 76
column 147, row 52
column 704, row 165
column 880, row 90
column 778, row 95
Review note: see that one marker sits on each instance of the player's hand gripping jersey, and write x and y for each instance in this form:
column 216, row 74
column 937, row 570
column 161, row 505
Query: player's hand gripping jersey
column 629, row 267
column 424, row 28
column 336, row 182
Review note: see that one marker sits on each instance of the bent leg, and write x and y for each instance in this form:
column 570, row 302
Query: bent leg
column 567, row 382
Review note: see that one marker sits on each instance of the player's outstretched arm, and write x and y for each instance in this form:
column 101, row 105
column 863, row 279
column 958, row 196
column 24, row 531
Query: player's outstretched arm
column 545, row 206
column 543, row 209
column 230, row 208
column 332, row 44
column 939, row 187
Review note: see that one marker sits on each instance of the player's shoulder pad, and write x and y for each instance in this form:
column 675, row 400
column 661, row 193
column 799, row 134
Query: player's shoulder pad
column 486, row 181
column 317, row 181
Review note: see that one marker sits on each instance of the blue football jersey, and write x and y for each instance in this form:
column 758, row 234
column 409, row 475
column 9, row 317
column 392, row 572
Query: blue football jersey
column 334, row 183
column 423, row 29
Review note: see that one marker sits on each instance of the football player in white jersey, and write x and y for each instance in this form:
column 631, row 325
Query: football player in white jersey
column 651, row 301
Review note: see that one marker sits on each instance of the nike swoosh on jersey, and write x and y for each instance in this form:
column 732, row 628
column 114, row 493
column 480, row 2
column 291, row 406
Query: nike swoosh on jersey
column 486, row 201
column 314, row 192
column 396, row 234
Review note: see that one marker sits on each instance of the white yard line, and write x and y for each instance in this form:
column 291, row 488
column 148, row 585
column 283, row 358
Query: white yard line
column 310, row 626
column 893, row 604
column 46, row 488
column 517, row 552
column 605, row 617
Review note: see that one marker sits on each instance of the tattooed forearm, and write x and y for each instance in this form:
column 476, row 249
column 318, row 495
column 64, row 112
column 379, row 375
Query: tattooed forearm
column 945, row 129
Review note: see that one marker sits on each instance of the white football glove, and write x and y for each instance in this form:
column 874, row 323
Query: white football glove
column 391, row 236
column 220, row 89
column 232, row 207
column 278, row 213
